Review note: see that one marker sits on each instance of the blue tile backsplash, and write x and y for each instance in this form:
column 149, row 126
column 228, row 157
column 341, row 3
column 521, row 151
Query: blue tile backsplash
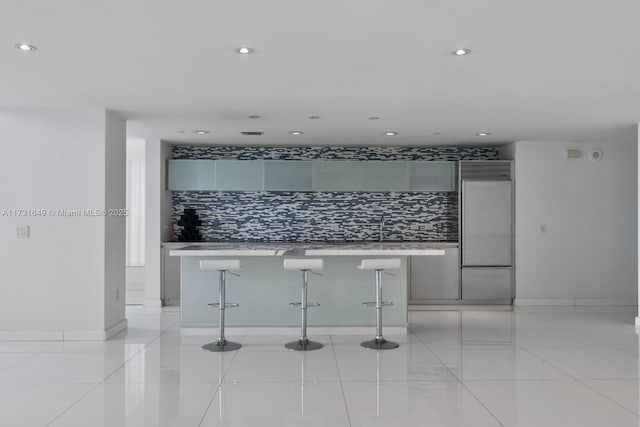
column 261, row 216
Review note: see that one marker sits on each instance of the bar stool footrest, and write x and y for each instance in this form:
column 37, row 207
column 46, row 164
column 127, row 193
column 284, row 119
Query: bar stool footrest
column 309, row 304
column 373, row 304
column 227, row 305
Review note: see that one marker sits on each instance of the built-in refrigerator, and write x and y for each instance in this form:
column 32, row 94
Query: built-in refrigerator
column 486, row 232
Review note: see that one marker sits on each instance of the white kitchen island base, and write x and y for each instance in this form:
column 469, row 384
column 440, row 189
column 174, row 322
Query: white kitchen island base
column 264, row 289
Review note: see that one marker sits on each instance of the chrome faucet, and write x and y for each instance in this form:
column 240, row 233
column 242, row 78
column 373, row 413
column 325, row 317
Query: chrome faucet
column 381, row 228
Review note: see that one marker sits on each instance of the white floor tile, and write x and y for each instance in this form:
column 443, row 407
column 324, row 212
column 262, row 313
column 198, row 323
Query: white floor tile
column 70, row 368
column 433, row 403
column 409, row 362
column 180, row 364
column 286, row 366
column 593, row 364
column 624, row 392
column 549, row 404
column 278, row 405
column 28, row 405
column 8, row 360
column 140, row 405
column 497, row 363
column 510, row 366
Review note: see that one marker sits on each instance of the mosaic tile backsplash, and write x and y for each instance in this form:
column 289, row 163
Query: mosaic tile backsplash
column 260, row 216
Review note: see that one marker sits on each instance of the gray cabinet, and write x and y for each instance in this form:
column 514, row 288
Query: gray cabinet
column 170, row 279
column 240, row 175
column 434, row 278
column 487, row 284
column 337, row 175
column 487, row 232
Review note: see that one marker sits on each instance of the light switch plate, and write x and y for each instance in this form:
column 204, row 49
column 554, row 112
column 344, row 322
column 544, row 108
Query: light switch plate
column 22, row 231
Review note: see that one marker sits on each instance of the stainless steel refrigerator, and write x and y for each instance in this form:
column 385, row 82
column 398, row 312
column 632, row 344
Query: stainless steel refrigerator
column 486, row 232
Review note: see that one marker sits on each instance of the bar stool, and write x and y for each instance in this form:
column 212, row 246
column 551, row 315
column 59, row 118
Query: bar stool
column 304, row 265
column 222, row 266
column 379, row 265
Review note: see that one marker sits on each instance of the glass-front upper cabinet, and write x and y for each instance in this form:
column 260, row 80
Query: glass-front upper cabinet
column 384, row 176
column 240, row 175
column 287, row 175
column 337, row 175
column 432, row 176
column 196, row 175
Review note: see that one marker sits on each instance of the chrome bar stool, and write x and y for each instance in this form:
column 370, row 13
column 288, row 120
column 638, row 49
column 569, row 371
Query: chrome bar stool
column 223, row 266
column 379, row 265
column 304, row 265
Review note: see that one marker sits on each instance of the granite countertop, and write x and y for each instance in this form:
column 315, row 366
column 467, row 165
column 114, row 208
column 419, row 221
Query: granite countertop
column 306, row 249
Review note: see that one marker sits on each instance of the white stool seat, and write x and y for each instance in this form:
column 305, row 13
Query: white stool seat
column 303, row 264
column 220, row 264
column 380, row 264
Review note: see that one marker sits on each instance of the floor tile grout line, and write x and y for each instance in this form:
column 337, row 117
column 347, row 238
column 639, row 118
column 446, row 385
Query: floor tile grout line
column 460, row 381
column 220, row 383
column 575, row 379
column 344, row 396
column 19, row 363
column 103, row 381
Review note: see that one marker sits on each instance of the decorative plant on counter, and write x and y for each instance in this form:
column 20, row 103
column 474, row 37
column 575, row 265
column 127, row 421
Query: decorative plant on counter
column 189, row 221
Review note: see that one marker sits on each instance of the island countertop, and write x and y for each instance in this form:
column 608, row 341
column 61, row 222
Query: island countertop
column 310, row 249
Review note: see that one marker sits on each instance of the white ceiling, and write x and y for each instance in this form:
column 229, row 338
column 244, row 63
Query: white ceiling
column 539, row 70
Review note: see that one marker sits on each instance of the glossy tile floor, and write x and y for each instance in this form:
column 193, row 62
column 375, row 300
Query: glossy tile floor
column 533, row 366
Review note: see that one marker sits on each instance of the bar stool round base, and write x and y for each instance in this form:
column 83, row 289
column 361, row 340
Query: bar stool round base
column 380, row 344
column 216, row 346
column 301, row 345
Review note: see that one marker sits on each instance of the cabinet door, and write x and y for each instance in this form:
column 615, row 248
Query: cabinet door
column 337, row 175
column 384, row 176
column 287, row 175
column 486, row 284
column 435, row 277
column 191, row 175
column 240, row 174
column 171, row 279
column 486, row 223
column 432, row 176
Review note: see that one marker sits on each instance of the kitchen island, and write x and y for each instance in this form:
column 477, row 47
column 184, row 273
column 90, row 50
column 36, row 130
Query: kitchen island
column 264, row 289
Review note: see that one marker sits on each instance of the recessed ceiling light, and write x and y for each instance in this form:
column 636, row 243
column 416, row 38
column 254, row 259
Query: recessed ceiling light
column 373, row 118
column 461, row 52
column 313, row 117
column 483, row 134
column 253, row 117
column 25, row 47
column 245, row 50
column 201, row 132
column 390, row 133
column 296, row 132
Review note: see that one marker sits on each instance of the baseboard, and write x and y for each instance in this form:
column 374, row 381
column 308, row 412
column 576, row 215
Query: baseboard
column 153, row 303
column 575, row 301
column 295, row 330
column 31, row 335
column 116, row 329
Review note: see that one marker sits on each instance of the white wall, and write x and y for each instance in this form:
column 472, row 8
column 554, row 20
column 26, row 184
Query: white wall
column 54, row 282
column 115, row 226
column 588, row 254
column 158, row 218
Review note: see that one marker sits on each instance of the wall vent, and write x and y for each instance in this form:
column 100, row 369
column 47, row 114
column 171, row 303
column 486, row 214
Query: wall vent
column 252, row 133
column 499, row 170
